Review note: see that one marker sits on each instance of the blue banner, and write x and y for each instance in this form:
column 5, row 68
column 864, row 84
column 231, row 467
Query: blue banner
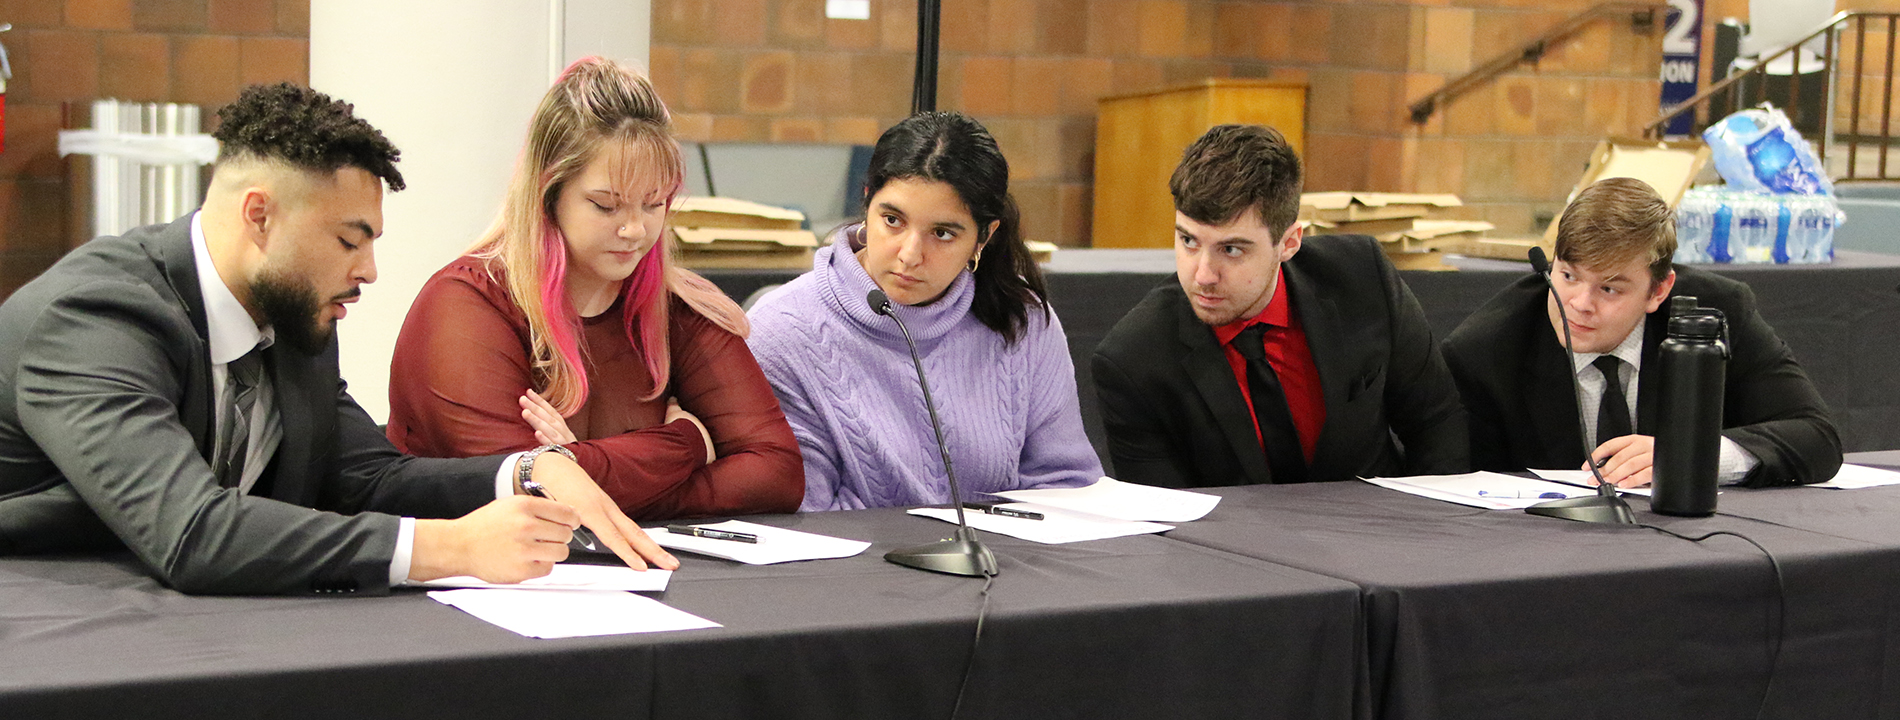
column 1681, row 60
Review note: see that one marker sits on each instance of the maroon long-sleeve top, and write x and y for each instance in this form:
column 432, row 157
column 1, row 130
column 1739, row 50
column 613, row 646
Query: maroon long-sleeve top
column 462, row 363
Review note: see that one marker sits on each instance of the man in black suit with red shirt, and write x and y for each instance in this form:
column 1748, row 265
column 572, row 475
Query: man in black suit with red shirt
column 1274, row 358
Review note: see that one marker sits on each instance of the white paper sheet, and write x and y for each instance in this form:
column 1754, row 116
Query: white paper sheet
column 1056, row 527
column 1854, row 477
column 575, row 577
column 1113, row 498
column 1583, row 478
column 570, row 613
column 775, row 545
column 1483, row 489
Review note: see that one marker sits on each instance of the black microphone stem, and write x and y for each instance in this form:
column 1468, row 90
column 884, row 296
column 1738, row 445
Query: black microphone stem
column 943, row 448
column 964, row 554
column 1606, row 507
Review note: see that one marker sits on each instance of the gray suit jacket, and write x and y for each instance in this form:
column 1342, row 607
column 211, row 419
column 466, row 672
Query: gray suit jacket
column 106, row 424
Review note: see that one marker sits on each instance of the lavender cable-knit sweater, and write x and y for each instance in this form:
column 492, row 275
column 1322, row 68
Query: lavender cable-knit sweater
column 844, row 378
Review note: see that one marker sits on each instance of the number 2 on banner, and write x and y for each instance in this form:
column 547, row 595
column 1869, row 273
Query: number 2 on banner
column 1677, row 40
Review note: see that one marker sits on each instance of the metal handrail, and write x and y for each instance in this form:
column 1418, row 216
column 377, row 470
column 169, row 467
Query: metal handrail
column 1654, row 128
column 1642, row 17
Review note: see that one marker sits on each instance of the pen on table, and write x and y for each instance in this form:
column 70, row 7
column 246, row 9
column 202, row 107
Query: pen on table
column 994, row 509
column 1519, row 495
column 711, row 534
column 582, row 534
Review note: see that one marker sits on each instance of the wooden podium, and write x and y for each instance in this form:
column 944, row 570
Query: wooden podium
column 1139, row 138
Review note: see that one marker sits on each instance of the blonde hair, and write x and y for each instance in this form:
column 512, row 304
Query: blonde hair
column 596, row 106
column 1617, row 220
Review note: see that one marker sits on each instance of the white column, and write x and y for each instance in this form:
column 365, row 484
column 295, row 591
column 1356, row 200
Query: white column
column 452, row 83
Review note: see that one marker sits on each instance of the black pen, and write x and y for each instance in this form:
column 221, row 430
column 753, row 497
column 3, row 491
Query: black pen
column 994, row 509
column 711, row 534
column 582, row 534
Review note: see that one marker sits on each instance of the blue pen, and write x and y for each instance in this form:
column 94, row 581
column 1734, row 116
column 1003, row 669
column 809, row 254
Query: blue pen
column 1519, row 495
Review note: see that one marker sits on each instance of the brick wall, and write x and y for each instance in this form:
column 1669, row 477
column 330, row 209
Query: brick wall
column 1032, row 70
column 66, row 53
column 779, row 71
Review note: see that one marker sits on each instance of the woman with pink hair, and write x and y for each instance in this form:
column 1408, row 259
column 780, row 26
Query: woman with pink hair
column 569, row 324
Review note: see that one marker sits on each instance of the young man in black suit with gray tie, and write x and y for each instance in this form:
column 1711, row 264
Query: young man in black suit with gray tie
column 175, row 391
column 1614, row 276
column 1272, row 358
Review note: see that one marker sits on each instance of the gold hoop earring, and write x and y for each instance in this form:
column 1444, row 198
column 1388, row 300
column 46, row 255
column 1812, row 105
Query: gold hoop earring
column 976, row 259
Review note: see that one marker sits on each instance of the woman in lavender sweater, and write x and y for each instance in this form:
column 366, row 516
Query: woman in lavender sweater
column 941, row 238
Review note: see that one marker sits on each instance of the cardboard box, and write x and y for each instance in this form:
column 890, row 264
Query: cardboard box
column 1669, row 167
column 1428, row 260
column 717, row 232
column 699, row 212
column 745, row 248
column 1517, row 248
column 1339, row 207
column 1436, row 235
column 1375, row 228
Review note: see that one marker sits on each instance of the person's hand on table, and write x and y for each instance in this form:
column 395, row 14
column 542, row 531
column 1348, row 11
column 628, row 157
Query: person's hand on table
column 1625, row 460
column 549, row 427
column 568, row 484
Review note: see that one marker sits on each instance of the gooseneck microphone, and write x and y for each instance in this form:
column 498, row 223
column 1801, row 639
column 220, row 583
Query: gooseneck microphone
column 1606, row 507
column 960, row 555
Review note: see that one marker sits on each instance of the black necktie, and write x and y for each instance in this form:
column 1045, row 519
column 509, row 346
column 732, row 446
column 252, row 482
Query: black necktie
column 234, row 433
column 1613, row 414
column 1277, row 432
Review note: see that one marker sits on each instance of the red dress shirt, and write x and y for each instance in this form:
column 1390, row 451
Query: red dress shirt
column 1292, row 361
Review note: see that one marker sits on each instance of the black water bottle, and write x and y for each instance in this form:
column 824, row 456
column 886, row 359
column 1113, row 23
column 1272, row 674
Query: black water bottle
column 1691, row 371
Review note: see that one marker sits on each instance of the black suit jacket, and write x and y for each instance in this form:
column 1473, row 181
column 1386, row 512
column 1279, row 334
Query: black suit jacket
column 1512, row 372
column 1173, row 409
column 106, row 424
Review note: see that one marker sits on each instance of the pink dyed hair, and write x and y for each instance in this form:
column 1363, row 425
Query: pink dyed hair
column 596, row 106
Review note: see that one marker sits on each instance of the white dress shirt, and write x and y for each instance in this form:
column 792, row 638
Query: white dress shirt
column 1733, row 463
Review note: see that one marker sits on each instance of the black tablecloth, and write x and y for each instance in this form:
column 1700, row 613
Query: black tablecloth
column 1842, row 320
column 1497, row 614
column 1132, row 627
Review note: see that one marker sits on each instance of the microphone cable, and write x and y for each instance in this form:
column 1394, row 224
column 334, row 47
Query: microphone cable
column 1781, row 605
column 969, row 664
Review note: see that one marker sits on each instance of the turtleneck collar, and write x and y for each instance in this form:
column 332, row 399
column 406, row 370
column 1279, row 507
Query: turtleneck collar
column 846, row 284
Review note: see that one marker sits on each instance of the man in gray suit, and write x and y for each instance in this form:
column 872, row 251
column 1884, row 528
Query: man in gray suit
column 175, row 391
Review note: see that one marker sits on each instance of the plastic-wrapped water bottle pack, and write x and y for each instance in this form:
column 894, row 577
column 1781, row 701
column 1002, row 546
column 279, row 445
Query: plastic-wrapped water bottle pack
column 1777, row 207
column 1720, row 225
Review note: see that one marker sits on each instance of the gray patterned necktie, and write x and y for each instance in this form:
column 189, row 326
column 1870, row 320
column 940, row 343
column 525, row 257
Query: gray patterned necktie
column 240, row 397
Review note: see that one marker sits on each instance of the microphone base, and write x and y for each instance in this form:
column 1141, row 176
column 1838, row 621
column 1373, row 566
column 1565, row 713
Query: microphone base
column 1604, row 509
column 961, row 555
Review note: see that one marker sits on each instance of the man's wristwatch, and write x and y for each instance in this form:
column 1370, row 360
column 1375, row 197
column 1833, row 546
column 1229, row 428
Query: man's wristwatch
column 525, row 471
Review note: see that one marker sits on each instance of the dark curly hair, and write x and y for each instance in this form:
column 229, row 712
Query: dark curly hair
column 1235, row 167
column 306, row 129
column 953, row 148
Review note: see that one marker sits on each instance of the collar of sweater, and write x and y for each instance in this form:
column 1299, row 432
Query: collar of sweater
column 845, row 282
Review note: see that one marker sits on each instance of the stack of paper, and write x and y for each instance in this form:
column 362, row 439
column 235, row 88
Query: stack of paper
column 575, row 577
column 1113, row 498
column 1583, row 478
column 570, row 613
column 1483, row 489
column 775, row 545
column 1056, row 527
column 1854, row 477
column 1109, row 508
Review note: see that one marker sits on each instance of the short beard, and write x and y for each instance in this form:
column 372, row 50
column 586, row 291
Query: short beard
column 290, row 306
